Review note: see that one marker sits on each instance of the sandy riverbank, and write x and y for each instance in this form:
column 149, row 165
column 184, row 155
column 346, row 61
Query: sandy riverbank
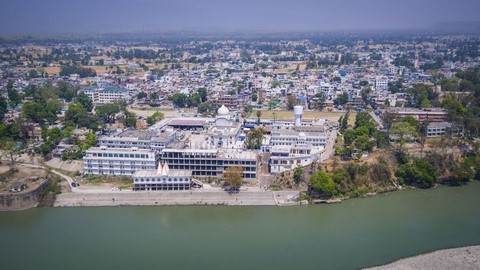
column 464, row 258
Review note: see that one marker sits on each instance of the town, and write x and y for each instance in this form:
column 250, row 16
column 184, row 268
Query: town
column 318, row 118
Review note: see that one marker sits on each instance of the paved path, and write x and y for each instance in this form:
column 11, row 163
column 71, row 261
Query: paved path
column 376, row 119
column 195, row 197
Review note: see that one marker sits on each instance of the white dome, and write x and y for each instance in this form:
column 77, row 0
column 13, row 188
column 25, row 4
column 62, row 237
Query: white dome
column 223, row 110
column 301, row 134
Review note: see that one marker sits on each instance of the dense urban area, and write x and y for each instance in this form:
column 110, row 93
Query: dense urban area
column 318, row 117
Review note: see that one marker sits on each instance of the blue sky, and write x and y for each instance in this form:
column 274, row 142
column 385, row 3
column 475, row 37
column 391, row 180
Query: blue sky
column 104, row 16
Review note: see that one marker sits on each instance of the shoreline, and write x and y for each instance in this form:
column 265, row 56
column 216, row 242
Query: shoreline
column 465, row 258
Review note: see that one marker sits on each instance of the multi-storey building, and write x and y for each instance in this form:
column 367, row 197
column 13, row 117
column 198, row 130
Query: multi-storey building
column 105, row 94
column 139, row 138
column 119, row 161
column 427, row 114
column 381, row 83
column 211, row 162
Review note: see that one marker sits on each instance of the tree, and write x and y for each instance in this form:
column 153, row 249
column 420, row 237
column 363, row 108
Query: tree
column 107, row 112
column 322, row 182
column 380, row 172
column 275, row 83
column 77, row 114
column 130, row 119
column 254, row 139
column 259, row 114
column 404, row 132
column 86, row 102
column 10, row 151
column 291, row 102
column 233, row 177
column 341, row 99
column 206, row 108
column 3, row 108
column 179, row 100
column 90, row 140
column 155, row 117
column 13, row 95
column 203, row 94
column 247, row 109
column 298, row 174
column 142, row 95
column 420, row 173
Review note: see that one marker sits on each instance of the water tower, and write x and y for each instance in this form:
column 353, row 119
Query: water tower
column 298, row 111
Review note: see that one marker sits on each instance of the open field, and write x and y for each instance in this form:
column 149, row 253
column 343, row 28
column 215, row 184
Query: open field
column 307, row 115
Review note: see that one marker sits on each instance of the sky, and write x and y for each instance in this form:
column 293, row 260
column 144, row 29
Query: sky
column 119, row 16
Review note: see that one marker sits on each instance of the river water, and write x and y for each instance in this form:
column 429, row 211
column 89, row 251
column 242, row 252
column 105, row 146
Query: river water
column 354, row 234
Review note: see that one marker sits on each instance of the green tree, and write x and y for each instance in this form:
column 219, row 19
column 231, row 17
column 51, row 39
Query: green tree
column 404, row 132
column 206, row 108
column 107, row 112
column 3, row 107
column 86, row 102
column 341, row 99
column 203, row 94
column 420, row 173
column 322, row 182
column 254, row 139
column 13, row 95
column 155, row 117
column 179, row 100
column 130, row 119
column 298, row 174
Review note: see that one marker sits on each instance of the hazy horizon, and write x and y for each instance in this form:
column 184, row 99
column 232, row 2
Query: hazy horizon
column 117, row 16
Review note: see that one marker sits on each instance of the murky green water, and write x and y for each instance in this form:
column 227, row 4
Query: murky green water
column 355, row 234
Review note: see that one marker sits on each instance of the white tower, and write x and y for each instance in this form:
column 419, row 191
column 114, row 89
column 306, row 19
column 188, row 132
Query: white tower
column 298, row 111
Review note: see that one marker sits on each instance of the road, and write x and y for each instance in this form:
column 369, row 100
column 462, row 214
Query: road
column 376, row 119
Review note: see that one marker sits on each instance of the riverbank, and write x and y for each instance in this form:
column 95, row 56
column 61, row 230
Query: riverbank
column 464, row 258
column 194, row 197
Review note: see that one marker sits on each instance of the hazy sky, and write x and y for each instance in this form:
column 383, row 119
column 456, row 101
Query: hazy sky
column 101, row 16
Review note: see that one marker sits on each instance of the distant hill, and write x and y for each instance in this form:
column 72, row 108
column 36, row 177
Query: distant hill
column 457, row 27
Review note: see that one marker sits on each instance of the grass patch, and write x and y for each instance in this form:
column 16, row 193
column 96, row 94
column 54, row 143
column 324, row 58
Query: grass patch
column 102, row 179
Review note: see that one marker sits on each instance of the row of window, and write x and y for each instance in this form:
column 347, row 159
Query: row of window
column 213, row 162
column 120, row 155
column 163, row 179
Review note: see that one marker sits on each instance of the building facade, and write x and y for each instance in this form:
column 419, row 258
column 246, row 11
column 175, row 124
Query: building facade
column 162, row 179
column 118, row 161
column 211, row 162
column 105, row 94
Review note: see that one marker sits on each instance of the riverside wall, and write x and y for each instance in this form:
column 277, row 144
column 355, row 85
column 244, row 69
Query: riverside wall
column 23, row 200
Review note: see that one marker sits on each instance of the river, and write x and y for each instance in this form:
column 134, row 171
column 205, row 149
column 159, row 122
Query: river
column 354, row 234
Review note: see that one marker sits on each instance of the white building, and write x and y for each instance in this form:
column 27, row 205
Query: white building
column 162, row 179
column 105, row 94
column 226, row 129
column 118, row 161
column 139, row 138
column 381, row 83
